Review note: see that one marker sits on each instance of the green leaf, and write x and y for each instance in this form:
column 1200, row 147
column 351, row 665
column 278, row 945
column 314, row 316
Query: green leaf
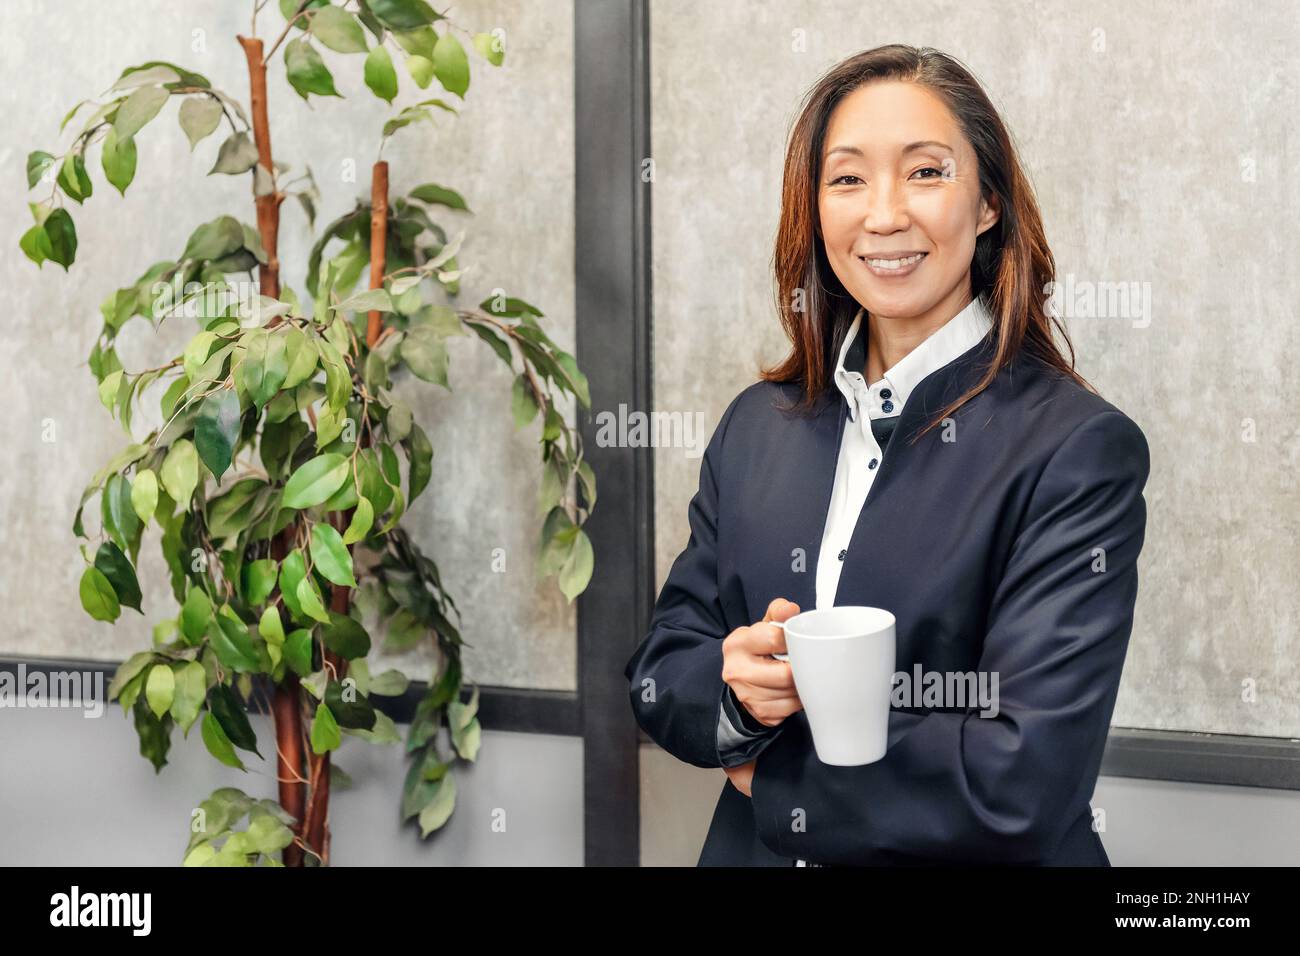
column 196, row 612
column 154, row 734
column 191, row 687
column 379, row 73
column 292, row 571
column 271, row 627
column 403, row 14
column 180, row 471
column 338, row 383
column 434, row 194
column 238, row 154
column 215, row 239
column 158, row 73
column 258, row 580
column 302, row 357
column 112, row 563
column 35, row 244
column 144, row 494
column 467, row 739
column 345, row 637
column 338, row 30
column 325, row 733
column 275, row 369
column 138, row 108
column 315, row 481
column 120, row 519
column 199, row 117
column 73, row 178
column 233, row 645
column 421, row 455
column 216, row 430
column 38, row 163
column 233, row 511
column 356, row 713
column 489, row 47
column 309, row 599
column 306, row 70
column 109, row 387
column 98, row 597
column 450, row 64
column 421, row 70
column 425, row 353
column 576, row 571
column 522, row 404
column 127, row 671
column 330, row 555
column 372, row 300
column 225, row 706
column 297, row 651
column 118, row 158
column 218, row 744
column 362, row 519
column 160, row 689
column 62, row 237
column 438, row 811
column 588, row 480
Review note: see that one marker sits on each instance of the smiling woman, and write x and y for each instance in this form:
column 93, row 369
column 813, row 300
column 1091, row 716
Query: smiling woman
column 911, row 265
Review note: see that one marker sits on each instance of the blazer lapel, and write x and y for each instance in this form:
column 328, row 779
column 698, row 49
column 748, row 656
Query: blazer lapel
column 929, row 395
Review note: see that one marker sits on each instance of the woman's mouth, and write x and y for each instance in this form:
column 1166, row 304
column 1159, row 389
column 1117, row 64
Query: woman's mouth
column 894, row 267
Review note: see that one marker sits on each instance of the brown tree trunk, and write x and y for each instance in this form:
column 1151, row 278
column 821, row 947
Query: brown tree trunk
column 378, row 242
column 287, row 702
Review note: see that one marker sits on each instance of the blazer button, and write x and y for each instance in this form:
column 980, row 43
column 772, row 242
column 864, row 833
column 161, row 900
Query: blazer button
column 873, row 463
column 885, row 393
column 842, row 554
column 886, row 405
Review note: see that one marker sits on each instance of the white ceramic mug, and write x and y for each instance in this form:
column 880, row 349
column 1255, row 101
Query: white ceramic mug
column 843, row 664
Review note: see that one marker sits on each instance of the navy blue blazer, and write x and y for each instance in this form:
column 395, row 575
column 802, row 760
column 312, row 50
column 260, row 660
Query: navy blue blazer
column 1010, row 547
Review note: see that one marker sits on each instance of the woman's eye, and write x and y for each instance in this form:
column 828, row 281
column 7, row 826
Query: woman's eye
column 838, row 179
column 930, row 169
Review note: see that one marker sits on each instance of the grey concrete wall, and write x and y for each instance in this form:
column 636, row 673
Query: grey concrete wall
column 1162, row 143
column 510, row 154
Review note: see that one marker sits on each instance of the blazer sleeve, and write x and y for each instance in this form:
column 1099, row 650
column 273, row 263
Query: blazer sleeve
column 741, row 735
column 1003, row 788
column 675, row 675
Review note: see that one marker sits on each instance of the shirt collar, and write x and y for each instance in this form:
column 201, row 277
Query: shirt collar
column 958, row 335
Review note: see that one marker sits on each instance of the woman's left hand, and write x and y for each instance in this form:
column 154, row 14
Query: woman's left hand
column 742, row 777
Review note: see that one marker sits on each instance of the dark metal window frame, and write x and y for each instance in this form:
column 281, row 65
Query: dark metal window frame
column 614, row 347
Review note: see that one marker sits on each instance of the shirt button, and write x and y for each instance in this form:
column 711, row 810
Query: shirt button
column 885, row 393
column 886, row 405
column 873, row 463
column 842, row 554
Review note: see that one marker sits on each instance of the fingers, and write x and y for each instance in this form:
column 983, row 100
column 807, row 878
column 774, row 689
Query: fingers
column 773, row 712
column 781, row 610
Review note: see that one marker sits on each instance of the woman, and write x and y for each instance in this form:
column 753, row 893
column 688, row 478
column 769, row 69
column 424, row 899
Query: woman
column 925, row 448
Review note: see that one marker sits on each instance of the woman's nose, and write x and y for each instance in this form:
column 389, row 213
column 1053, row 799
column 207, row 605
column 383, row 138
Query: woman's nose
column 885, row 208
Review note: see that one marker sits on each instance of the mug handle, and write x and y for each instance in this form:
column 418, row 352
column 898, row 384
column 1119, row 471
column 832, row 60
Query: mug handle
column 784, row 656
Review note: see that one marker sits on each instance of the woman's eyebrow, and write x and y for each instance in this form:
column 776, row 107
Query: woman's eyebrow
column 910, row 147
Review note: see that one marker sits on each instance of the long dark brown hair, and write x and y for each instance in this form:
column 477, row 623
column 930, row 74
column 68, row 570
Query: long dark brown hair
column 1012, row 263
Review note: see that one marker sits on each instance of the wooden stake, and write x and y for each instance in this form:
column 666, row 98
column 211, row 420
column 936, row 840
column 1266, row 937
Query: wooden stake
column 287, row 700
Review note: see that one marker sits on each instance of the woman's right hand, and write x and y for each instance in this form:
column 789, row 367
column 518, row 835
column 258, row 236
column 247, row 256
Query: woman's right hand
column 762, row 684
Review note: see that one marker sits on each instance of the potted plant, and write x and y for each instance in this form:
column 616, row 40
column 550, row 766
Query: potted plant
column 284, row 461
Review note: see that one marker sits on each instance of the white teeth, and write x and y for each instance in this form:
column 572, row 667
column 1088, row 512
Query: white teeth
column 895, row 263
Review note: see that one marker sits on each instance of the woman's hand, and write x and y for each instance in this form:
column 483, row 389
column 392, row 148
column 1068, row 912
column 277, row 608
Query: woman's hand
column 742, row 777
column 764, row 686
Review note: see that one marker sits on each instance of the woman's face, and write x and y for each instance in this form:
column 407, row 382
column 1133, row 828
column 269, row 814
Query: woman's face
column 898, row 179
